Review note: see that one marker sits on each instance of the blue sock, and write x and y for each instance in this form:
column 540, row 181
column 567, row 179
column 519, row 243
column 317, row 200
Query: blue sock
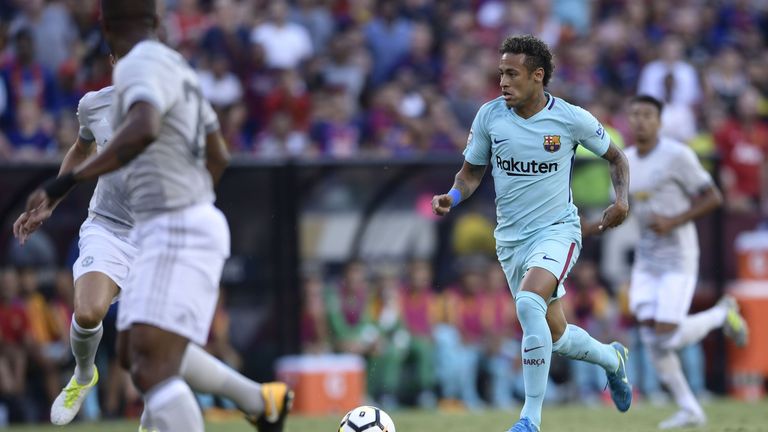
column 536, row 352
column 577, row 344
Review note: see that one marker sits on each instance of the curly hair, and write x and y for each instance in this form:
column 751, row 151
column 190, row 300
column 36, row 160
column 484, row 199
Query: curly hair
column 537, row 54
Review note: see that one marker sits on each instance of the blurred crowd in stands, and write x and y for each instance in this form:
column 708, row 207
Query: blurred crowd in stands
column 342, row 79
column 394, row 78
column 458, row 346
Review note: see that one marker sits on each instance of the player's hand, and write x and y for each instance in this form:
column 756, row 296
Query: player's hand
column 662, row 225
column 19, row 230
column 441, row 204
column 38, row 209
column 614, row 215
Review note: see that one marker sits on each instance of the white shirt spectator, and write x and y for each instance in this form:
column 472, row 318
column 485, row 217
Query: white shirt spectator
column 221, row 91
column 686, row 91
column 285, row 45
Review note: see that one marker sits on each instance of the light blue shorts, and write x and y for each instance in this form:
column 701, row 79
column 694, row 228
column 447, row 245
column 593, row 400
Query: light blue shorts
column 554, row 248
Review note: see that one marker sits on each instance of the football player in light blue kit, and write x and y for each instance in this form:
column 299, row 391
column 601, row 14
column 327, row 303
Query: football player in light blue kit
column 529, row 138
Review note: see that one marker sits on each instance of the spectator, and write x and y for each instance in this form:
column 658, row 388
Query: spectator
column 290, row 96
column 394, row 339
column 186, row 24
column 464, row 96
column 389, row 38
column 421, row 60
column 28, row 140
column 315, row 332
column 281, row 139
column 353, row 329
column 504, row 360
column 67, row 128
column 654, row 79
column 419, row 308
column 726, row 78
column 344, row 69
column 14, row 343
column 27, row 79
column 232, row 120
column 53, row 31
column 286, row 44
column 220, row 86
column 445, row 135
column 227, row 34
column 743, row 144
column 316, row 17
column 459, row 341
column 334, row 132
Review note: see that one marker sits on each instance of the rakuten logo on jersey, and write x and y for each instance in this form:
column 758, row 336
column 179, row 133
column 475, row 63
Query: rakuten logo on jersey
column 525, row 168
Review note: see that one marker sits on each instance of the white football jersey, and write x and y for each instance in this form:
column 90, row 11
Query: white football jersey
column 663, row 182
column 171, row 173
column 110, row 199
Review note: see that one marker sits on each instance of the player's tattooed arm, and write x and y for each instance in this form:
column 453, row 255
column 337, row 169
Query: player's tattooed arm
column 466, row 182
column 139, row 129
column 615, row 214
column 468, row 179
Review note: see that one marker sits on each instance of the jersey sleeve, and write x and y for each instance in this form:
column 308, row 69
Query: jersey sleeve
column 690, row 174
column 588, row 132
column 210, row 119
column 478, row 150
column 83, row 111
column 138, row 78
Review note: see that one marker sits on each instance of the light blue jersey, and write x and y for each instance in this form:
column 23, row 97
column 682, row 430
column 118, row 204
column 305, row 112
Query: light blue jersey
column 532, row 161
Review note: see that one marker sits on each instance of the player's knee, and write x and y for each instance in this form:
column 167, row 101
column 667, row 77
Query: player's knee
column 529, row 306
column 147, row 371
column 89, row 316
column 662, row 328
column 143, row 377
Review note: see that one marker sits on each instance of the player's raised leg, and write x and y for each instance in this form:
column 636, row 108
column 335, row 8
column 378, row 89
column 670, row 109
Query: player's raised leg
column 94, row 292
column 573, row 342
column 265, row 405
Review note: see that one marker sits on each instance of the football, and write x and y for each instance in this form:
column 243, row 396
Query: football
column 366, row 419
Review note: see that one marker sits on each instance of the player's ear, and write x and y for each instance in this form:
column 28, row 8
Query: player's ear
column 538, row 75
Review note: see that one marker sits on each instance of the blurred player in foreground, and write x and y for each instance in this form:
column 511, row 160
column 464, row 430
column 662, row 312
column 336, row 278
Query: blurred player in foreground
column 669, row 189
column 177, row 247
column 529, row 137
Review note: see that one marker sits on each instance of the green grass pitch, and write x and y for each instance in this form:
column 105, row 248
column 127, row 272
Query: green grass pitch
column 724, row 416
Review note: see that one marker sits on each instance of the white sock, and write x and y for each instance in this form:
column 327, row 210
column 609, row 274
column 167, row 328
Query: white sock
column 695, row 327
column 171, row 407
column 84, row 343
column 207, row 374
column 577, row 344
column 536, row 352
column 670, row 372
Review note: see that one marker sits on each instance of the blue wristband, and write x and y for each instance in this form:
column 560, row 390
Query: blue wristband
column 456, row 195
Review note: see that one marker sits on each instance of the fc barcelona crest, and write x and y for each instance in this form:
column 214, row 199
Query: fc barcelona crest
column 551, row 143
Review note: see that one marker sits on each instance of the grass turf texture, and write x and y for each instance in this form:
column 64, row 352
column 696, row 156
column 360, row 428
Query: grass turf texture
column 724, row 416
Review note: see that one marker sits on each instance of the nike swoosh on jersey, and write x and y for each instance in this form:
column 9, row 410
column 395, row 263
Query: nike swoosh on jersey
column 498, row 141
column 550, row 259
column 532, row 349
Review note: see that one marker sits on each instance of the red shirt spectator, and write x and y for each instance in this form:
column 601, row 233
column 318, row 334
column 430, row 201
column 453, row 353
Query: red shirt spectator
column 14, row 323
column 743, row 145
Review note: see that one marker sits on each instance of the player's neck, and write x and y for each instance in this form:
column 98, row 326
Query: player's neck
column 533, row 106
column 126, row 44
column 647, row 146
